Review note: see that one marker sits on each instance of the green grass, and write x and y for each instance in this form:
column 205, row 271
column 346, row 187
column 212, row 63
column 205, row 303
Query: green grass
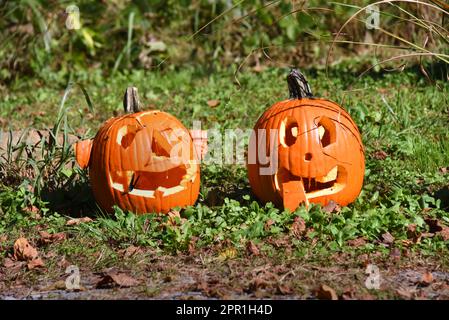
column 398, row 113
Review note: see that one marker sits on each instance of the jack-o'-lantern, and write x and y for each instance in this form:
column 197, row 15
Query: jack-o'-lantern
column 305, row 150
column 142, row 161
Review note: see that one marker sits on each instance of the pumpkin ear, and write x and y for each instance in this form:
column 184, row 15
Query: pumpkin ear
column 82, row 152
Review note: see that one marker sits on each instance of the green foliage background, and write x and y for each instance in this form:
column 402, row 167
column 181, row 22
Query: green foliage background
column 212, row 34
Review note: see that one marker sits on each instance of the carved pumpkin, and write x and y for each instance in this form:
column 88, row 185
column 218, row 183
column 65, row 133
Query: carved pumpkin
column 315, row 152
column 142, row 162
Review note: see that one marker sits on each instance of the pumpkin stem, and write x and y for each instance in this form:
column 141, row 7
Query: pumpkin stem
column 131, row 102
column 298, row 85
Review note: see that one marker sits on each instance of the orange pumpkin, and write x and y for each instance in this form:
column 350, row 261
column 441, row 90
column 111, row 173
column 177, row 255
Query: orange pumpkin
column 305, row 150
column 142, row 162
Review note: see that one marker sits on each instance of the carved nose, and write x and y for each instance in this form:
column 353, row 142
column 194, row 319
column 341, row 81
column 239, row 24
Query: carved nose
column 308, row 156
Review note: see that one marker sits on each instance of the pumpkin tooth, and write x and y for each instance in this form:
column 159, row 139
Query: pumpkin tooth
column 294, row 131
column 330, row 176
column 321, row 132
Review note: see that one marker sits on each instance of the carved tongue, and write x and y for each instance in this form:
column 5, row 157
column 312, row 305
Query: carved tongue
column 294, row 194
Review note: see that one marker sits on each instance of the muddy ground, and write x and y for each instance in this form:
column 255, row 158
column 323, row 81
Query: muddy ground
column 204, row 276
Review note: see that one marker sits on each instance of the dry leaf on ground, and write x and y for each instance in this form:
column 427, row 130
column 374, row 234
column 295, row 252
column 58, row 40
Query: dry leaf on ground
column 35, row 263
column 131, row 250
column 173, row 216
column 115, row 278
column 426, row 278
column 395, row 254
column 228, row 253
column 12, row 265
column 298, row 227
column 331, row 206
column 358, row 242
column 252, row 248
column 23, row 251
column 213, row 103
column 325, row 292
column 380, row 155
column 49, row 238
column 77, row 221
column 387, row 238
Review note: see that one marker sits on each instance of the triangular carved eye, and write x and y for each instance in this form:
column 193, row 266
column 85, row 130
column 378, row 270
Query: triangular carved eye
column 126, row 135
column 161, row 145
column 326, row 131
column 288, row 131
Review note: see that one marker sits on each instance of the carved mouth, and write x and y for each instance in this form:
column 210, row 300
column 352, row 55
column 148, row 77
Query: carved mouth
column 297, row 189
column 148, row 184
column 164, row 173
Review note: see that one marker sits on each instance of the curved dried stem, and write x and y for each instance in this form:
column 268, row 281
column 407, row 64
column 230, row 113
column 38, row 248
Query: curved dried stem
column 414, row 46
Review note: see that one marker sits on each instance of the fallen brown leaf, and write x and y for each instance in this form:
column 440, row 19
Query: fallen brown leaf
column 228, row 253
column 49, row 238
column 213, row 103
column 61, row 285
column 405, row 293
column 444, row 233
column 427, row 235
column 33, row 209
column 63, row 263
column 258, row 283
column 252, row 248
column 407, row 243
column 50, row 255
column 173, row 216
column 77, row 221
column 192, row 245
column 348, row 294
column 268, row 224
column 413, row 234
column 358, row 242
column 380, row 155
column 34, row 212
column 426, row 278
column 23, row 251
column 284, row 289
column 387, row 238
column 364, row 259
column 411, row 230
column 279, row 242
column 131, row 250
column 114, row 278
column 444, row 170
column 9, row 263
column 325, row 292
column 298, row 227
column 35, row 263
column 395, row 253
column 332, row 206
column 58, row 285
